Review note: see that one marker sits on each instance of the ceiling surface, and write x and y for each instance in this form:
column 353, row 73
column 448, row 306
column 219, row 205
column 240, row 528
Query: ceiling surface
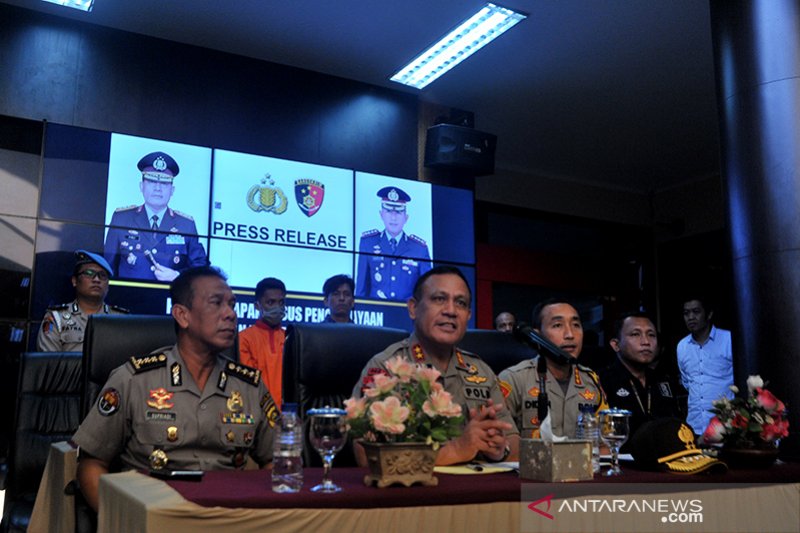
column 612, row 92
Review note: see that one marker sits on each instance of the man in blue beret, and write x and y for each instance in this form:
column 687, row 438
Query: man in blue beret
column 390, row 261
column 152, row 241
column 64, row 325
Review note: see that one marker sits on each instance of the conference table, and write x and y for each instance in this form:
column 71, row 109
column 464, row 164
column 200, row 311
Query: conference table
column 232, row 501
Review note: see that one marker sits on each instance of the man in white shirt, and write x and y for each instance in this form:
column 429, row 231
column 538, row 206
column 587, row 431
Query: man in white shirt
column 705, row 360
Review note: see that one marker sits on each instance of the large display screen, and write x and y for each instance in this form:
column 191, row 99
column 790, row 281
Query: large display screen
column 155, row 207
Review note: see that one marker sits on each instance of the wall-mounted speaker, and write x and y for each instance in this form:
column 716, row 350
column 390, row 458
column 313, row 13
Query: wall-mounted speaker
column 459, row 148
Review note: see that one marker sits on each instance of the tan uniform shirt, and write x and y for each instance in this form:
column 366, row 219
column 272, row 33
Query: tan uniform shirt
column 152, row 403
column 63, row 327
column 520, row 386
column 468, row 379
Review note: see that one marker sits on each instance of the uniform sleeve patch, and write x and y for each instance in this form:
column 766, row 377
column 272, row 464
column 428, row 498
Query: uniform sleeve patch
column 108, row 403
column 148, row 362
column 505, row 388
column 48, row 324
column 270, row 410
column 247, row 374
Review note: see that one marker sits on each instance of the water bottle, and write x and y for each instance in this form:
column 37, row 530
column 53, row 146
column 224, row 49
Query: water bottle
column 287, row 456
column 589, row 429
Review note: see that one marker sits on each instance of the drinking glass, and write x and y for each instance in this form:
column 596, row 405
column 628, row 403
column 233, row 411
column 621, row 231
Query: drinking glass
column 614, row 430
column 327, row 433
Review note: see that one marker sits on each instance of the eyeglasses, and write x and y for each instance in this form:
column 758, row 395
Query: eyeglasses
column 90, row 273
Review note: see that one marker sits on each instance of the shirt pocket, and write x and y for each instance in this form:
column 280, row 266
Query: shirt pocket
column 238, row 435
column 160, row 430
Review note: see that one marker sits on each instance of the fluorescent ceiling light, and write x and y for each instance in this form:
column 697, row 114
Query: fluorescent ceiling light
column 470, row 36
column 83, row 5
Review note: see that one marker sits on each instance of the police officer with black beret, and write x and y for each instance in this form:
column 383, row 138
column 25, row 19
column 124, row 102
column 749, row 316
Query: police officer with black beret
column 64, row 325
column 153, row 241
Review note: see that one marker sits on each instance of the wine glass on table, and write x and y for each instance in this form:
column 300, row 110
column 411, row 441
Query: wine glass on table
column 614, row 430
column 328, row 434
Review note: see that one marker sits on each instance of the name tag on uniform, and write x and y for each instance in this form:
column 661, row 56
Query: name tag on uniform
column 175, row 239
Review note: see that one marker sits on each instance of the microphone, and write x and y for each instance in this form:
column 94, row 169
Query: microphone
column 526, row 334
column 542, row 400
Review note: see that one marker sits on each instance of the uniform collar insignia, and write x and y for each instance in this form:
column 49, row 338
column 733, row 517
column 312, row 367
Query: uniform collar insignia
column 175, row 372
column 623, row 392
column 223, row 380
column 419, row 355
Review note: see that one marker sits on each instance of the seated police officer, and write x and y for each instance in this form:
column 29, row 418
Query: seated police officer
column 64, row 325
column 569, row 387
column 440, row 309
column 183, row 407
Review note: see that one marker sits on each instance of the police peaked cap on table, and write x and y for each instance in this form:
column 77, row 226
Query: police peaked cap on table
column 668, row 444
column 158, row 166
column 393, row 199
column 83, row 257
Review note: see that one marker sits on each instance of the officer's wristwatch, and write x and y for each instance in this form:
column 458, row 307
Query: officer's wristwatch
column 506, row 453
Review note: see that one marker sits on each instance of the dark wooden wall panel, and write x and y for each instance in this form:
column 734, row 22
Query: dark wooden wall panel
column 83, row 75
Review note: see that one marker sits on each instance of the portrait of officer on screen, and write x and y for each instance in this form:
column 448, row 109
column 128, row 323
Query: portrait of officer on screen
column 390, row 259
column 151, row 240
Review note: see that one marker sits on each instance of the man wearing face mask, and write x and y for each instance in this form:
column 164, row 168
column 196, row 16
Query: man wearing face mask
column 261, row 345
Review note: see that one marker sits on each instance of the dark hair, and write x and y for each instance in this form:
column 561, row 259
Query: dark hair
column 181, row 290
column 438, row 271
column 334, row 282
column 704, row 299
column 269, row 283
column 620, row 321
column 536, row 315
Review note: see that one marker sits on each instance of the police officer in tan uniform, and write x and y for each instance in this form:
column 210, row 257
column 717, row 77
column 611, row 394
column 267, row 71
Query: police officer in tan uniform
column 185, row 407
column 569, row 387
column 64, row 325
column 440, row 309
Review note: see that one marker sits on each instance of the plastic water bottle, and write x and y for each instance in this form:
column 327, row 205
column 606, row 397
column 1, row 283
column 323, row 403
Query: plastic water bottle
column 589, row 429
column 287, row 456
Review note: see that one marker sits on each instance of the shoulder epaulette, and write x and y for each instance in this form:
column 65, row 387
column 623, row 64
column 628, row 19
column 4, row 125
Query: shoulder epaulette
column 371, row 233
column 420, row 240
column 59, row 307
column 148, row 362
column 245, row 373
column 126, row 208
column 181, row 214
column 119, row 309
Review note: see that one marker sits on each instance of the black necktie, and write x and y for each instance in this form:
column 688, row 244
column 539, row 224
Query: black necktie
column 154, row 227
column 393, row 244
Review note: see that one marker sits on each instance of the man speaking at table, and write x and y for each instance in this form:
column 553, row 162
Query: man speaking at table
column 440, row 309
column 184, row 407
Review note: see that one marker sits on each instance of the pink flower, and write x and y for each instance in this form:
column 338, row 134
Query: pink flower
column 401, row 367
column 381, row 384
column 388, row 416
column 428, row 374
column 739, row 421
column 441, row 404
column 779, row 428
column 355, row 407
column 769, row 402
column 715, row 431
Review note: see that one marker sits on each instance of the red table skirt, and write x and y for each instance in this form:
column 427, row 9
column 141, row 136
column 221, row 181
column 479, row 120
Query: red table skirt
column 252, row 489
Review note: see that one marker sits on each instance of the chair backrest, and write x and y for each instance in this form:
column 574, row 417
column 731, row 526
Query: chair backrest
column 110, row 340
column 48, row 410
column 322, row 363
column 499, row 350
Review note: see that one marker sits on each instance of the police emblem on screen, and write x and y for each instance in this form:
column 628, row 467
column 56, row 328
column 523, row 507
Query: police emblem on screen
column 309, row 195
column 263, row 197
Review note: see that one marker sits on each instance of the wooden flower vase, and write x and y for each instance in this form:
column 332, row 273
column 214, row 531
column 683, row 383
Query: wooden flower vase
column 403, row 463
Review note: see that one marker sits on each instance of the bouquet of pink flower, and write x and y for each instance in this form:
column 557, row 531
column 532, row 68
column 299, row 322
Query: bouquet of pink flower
column 405, row 405
column 752, row 422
